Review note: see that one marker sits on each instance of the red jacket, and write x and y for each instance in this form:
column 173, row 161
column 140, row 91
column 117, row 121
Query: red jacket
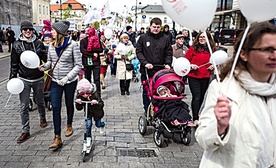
column 199, row 58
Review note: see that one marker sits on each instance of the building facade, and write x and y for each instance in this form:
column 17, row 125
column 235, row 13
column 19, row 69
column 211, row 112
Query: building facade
column 12, row 12
column 41, row 11
column 70, row 9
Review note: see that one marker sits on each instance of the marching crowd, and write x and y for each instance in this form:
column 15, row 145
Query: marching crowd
column 79, row 62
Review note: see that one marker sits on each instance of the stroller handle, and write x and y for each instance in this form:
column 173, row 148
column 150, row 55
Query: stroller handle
column 154, row 65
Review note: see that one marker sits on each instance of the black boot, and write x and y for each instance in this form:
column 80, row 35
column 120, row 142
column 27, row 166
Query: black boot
column 122, row 87
column 127, row 87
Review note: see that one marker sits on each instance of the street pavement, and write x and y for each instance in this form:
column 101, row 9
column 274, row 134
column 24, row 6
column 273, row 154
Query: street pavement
column 121, row 118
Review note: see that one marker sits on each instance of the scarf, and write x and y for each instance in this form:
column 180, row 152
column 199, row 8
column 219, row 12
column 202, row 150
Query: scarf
column 258, row 88
column 93, row 40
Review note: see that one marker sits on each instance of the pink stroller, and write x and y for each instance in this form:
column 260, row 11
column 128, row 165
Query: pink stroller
column 166, row 108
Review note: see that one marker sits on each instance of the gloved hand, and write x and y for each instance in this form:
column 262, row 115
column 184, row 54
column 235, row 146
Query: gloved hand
column 106, row 50
column 63, row 81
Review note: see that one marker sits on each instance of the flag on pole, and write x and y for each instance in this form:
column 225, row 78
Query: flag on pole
column 91, row 16
column 105, row 11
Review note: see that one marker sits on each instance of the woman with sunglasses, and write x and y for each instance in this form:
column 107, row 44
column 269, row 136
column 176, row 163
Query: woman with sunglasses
column 237, row 127
column 64, row 54
column 199, row 56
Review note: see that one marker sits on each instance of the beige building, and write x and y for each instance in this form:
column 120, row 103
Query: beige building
column 69, row 9
column 41, row 11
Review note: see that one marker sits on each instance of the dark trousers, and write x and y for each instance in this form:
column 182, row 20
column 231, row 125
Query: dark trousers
column 10, row 46
column 96, row 75
column 198, row 89
column 124, row 85
column 146, row 101
column 56, row 92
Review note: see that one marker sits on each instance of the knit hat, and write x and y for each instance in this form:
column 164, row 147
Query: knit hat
column 47, row 22
column 84, row 86
column 128, row 27
column 166, row 26
column 61, row 27
column 26, row 25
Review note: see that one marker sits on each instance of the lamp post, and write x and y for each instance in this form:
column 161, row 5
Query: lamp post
column 136, row 6
column 60, row 6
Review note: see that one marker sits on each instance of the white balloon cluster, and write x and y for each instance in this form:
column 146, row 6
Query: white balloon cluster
column 181, row 66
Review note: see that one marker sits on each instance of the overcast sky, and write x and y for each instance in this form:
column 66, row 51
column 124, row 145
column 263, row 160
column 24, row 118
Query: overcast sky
column 115, row 5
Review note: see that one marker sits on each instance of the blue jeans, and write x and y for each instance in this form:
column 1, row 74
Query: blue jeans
column 198, row 89
column 89, row 124
column 56, row 92
column 24, row 96
column 146, row 101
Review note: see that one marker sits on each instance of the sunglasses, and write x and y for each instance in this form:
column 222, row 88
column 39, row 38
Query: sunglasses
column 26, row 29
column 84, row 93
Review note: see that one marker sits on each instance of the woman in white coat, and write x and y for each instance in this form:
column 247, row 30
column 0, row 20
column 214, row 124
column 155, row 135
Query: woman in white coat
column 124, row 53
column 237, row 127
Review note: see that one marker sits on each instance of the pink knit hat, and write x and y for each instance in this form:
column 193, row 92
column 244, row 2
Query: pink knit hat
column 84, row 86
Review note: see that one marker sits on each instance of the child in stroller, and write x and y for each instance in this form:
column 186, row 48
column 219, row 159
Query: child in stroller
column 175, row 111
column 167, row 113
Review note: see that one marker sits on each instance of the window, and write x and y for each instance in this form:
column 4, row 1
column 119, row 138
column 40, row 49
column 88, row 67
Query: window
column 43, row 9
column 47, row 10
column 165, row 19
column 39, row 9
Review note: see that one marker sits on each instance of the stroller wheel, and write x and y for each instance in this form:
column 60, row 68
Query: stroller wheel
column 31, row 104
column 158, row 138
column 186, row 138
column 142, row 125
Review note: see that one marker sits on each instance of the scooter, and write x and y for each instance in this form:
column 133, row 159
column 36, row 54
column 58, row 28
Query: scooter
column 86, row 149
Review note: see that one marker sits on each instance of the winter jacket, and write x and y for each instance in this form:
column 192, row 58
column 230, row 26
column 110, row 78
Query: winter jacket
column 86, row 54
column 10, row 36
column 17, row 68
column 199, row 58
column 179, row 51
column 121, row 72
column 154, row 49
column 96, row 111
column 69, row 63
column 251, row 136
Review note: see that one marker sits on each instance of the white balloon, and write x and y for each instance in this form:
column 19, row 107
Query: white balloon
column 29, row 59
column 122, row 49
column 258, row 10
column 182, row 66
column 219, row 57
column 108, row 33
column 193, row 14
column 173, row 60
column 15, row 86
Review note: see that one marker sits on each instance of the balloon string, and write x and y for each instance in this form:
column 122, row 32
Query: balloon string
column 8, row 100
column 237, row 55
column 213, row 62
column 203, row 65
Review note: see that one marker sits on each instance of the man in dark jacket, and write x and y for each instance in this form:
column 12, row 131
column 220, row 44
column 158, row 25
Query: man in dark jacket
column 2, row 40
column 153, row 48
column 131, row 35
column 168, row 33
column 10, row 35
column 33, row 79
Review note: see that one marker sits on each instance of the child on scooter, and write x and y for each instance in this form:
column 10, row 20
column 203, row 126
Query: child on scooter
column 87, row 92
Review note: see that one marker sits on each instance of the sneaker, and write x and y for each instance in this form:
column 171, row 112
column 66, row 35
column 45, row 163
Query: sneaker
column 23, row 137
column 102, row 130
column 103, row 87
column 88, row 141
